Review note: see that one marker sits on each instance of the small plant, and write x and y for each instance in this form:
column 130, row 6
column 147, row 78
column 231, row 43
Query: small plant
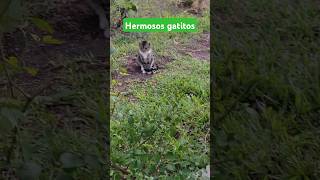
column 120, row 10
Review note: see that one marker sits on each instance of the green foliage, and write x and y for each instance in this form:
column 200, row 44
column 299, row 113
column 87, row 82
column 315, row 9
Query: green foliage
column 50, row 40
column 70, row 160
column 45, row 26
column 32, row 71
column 13, row 66
column 126, row 4
column 121, row 9
column 160, row 128
column 11, row 15
column 166, row 132
column 9, row 118
column 29, row 171
column 45, row 150
column 33, row 145
column 266, row 90
column 42, row 24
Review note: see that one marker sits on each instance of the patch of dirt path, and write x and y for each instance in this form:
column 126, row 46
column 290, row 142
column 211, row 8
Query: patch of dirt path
column 198, row 48
column 133, row 74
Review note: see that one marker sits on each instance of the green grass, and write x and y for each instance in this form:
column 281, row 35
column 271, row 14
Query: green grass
column 164, row 132
column 266, row 89
column 60, row 134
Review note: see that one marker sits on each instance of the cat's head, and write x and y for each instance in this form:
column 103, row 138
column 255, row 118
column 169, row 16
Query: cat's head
column 144, row 46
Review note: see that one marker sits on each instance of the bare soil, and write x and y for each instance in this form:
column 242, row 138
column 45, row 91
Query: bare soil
column 134, row 74
column 198, row 48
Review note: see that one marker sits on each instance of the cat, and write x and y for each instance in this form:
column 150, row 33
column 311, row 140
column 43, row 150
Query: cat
column 146, row 58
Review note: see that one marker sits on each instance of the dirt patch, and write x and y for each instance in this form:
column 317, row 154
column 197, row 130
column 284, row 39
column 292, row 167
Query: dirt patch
column 195, row 7
column 198, row 48
column 133, row 74
column 134, row 69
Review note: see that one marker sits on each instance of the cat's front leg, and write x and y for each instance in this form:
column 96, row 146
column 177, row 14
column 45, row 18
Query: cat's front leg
column 142, row 69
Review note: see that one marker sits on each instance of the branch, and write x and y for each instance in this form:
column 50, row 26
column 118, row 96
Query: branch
column 119, row 168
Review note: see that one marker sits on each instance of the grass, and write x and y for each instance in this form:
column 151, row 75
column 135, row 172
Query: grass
column 266, row 104
column 60, row 134
column 164, row 132
column 266, row 89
